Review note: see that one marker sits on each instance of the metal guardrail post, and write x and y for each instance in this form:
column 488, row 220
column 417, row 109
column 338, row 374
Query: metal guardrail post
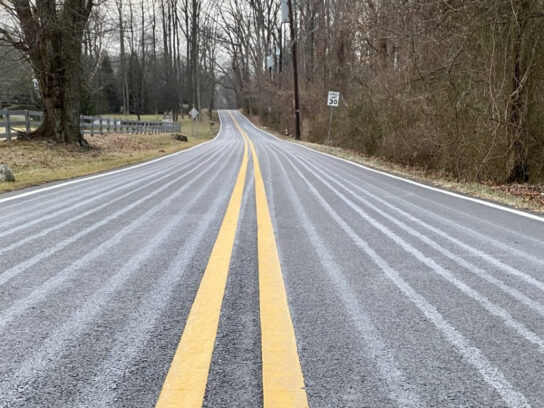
column 101, row 127
column 27, row 121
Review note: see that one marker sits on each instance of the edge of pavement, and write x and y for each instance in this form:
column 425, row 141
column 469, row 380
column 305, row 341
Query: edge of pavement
column 419, row 183
column 54, row 184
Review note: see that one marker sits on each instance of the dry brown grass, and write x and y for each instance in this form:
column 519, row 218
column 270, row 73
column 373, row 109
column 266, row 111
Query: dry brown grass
column 36, row 162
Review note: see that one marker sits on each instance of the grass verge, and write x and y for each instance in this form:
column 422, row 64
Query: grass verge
column 521, row 196
column 37, row 162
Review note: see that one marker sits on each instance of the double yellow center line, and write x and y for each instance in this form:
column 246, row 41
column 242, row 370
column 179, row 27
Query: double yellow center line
column 283, row 383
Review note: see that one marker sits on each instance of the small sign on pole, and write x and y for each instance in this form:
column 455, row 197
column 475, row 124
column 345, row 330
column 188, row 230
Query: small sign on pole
column 333, row 100
column 193, row 113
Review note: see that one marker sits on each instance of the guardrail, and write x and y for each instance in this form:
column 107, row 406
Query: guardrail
column 14, row 121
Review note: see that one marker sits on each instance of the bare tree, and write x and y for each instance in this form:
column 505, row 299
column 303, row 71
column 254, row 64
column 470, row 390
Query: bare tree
column 454, row 86
column 50, row 35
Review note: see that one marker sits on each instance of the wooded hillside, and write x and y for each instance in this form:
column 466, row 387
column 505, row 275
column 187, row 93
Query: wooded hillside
column 449, row 85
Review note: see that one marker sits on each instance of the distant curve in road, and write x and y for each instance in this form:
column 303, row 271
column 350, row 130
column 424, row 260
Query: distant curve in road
column 273, row 275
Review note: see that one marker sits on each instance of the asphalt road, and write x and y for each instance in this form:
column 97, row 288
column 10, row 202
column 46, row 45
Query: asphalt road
column 332, row 286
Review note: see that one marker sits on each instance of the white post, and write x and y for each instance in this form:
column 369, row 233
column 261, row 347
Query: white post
column 329, row 133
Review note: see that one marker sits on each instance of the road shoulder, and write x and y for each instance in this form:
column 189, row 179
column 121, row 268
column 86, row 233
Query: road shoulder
column 38, row 162
column 518, row 196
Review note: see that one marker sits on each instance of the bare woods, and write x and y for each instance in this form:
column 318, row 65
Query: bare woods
column 455, row 86
column 112, row 56
column 449, row 85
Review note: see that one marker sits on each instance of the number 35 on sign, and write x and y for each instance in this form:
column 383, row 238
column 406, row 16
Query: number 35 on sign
column 333, row 99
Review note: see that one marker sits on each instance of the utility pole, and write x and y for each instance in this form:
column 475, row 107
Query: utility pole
column 295, row 69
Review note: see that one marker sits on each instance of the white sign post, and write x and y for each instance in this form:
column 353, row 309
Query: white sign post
column 194, row 114
column 333, row 100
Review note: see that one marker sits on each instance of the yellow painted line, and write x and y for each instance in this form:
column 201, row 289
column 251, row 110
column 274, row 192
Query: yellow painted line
column 283, row 382
column 186, row 380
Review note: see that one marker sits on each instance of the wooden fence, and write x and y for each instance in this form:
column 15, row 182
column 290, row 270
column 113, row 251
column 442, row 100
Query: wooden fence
column 13, row 121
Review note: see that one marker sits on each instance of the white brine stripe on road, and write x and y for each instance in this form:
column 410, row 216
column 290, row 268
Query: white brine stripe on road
column 97, row 176
column 419, row 212
column 55, row 344
column 19, row 212
column 399, row 295
column 518, row 295
column 21, row 267
column 483, row 300
column 400, row 389
column 131, row 339
column 114, row 190
column 52, row 283
column 415, row 183
column 473, row 355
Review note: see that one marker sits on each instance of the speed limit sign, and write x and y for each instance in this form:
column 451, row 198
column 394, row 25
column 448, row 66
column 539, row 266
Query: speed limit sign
column 333, row 99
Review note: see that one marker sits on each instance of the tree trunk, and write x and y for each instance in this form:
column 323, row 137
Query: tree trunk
column 60, row 87
column 124, row 81
column 52, row 41
column 518, row 129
